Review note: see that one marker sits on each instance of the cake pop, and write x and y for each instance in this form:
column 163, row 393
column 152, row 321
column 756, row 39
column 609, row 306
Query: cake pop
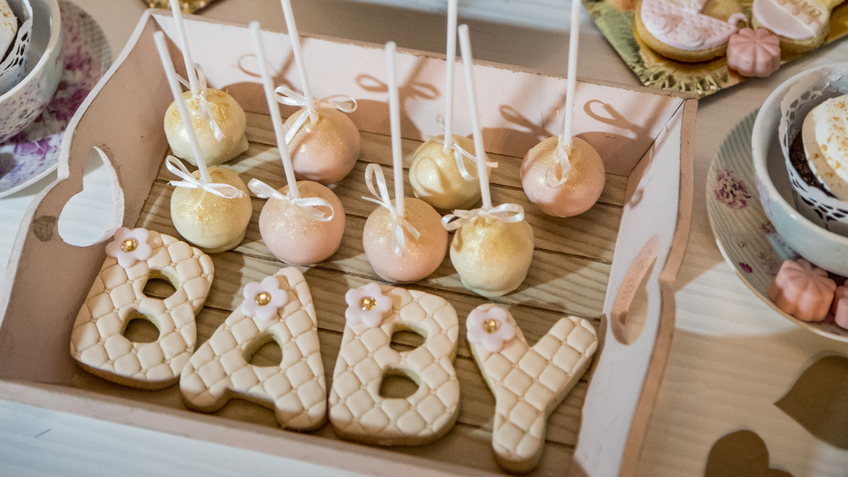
column 323, row 143
column 302, row 223
column 403, row 239
column 211, row 207
column 493, row 246
column 564, row 175
column 218, row 121
column 439, row 172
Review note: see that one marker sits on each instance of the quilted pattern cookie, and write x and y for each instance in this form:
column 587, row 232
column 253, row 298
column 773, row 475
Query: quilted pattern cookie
column 117, row 296
column 280, row 309
column 357, row 411
column 528, row 383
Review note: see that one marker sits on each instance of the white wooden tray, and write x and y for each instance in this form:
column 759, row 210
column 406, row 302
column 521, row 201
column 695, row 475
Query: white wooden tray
column 629, row 245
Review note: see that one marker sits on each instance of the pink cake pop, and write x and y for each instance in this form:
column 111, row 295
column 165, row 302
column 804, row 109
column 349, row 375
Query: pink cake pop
column 302, row 223
column 564, row 175
column 802, row 290
column 404, row 240
column 323, row 143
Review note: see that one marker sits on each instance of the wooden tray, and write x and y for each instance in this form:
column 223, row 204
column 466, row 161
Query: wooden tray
column 630, row 244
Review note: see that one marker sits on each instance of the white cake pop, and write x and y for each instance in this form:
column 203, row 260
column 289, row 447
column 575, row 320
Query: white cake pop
column 564, row 175
column 218, row 121
column 302, row 223
column 440, row 167
column 403, row 239
column 210, row 208
column 493, row 246
column 323, row 142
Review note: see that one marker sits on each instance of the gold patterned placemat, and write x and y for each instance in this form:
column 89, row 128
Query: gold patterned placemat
column 187, row 6
column 653, row 70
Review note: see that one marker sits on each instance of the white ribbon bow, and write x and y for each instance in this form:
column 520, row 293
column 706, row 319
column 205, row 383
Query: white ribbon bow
column 307, row 205
column 375, row 172
column 188, row 181
column 510, row 213
column 203, row 107
column 342, row 102
column 458, row 152
column 551, row 175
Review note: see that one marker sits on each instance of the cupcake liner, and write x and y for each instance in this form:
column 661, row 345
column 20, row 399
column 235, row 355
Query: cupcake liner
column 13, row 67
column 810, row 91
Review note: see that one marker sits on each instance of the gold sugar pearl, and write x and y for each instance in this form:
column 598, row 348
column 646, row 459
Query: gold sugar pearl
column 129, row 245
column 491, row 326
column 262, row 299
column 368, row 303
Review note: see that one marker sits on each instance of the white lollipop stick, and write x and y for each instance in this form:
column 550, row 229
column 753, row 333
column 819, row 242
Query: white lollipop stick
column 178, row 21
column 394, row 116
column 274, row 108
column 298, row 59
column 566, row 137
column 449, row 75
column 471, row 91
column 171, row 74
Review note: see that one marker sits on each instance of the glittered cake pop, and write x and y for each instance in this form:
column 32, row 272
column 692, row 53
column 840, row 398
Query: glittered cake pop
column 210, row 207
column 403, row 239
column 218, row 121
column 302, row 223
column 493, row 246
column 564, row 175
column 323, row 142
column 440, row 167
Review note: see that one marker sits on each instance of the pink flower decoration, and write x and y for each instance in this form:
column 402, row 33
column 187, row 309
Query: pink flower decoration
column 802, row 290
column 129, row 246
column 840, row 305
column 489, row 328
column 366, row 305
column 754, row 52
column 262, row 300
column 731, row 191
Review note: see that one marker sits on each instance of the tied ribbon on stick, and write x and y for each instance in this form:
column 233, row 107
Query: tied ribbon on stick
column 306, row 205
column 563, row 159
column 188, row 181
column 458, row 152
column 509, row 213
column 203, row 106
column 375, row 172
column 342, row 102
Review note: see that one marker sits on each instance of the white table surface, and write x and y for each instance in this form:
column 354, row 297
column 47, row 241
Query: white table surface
column 731, row 359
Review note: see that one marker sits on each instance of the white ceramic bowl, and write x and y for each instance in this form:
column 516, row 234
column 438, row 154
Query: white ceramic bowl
column 818, row 245
column 23, row 103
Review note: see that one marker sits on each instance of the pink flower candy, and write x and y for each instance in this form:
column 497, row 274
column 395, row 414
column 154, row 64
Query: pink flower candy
column 802, row 290
column 366, row 305
column 129, row 246
column 840, row 305
column 262, row 300
column 489, row 328
column 754, row 52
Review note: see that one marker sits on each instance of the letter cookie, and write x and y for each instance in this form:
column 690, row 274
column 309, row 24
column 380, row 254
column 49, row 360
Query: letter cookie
column 802, row 25
column 357, row 411
column 280, row 308
column 117, row 296
column 528, row 383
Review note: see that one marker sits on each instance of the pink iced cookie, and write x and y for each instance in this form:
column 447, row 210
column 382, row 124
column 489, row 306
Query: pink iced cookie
column 802, row 290
column 840, row 305
column 754, row 52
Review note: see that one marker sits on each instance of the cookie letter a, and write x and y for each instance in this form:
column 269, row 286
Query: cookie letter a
column 528, row 383
column 279, row 308
column 117, row 296
column 357, row 411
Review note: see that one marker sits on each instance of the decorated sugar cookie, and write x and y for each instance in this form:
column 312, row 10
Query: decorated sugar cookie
column 117, row 296
column 680, row 29
column 801, row 25
column 528, row 382
column 357, row 410
column 279, row 308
